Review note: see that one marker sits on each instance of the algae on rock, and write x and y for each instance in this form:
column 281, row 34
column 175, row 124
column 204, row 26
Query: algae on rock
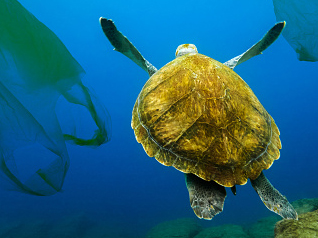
column 181, row 228
column 224, row 231
column 305, row 227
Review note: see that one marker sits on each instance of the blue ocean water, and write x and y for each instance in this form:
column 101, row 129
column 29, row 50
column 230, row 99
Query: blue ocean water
column 118, row 183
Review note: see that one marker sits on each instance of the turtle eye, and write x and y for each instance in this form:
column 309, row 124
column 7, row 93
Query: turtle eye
column 186, row 49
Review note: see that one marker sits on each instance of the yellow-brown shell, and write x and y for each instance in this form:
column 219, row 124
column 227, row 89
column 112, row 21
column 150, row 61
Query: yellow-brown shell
column 199, row 116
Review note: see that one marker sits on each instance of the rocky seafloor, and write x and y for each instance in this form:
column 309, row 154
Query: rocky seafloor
column 80, row 225
column 268, row 227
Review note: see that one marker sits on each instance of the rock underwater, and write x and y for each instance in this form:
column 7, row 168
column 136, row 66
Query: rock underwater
column 224, row 231
column 262, row 228
column 307, row 224
column 182, row 228
column 305, row 227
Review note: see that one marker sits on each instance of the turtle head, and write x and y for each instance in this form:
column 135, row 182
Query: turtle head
column 186, row 49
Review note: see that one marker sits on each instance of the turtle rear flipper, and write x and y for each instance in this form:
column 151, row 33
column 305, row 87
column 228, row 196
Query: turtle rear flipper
column 273, row 199
column 206, row 197
column 124, row 46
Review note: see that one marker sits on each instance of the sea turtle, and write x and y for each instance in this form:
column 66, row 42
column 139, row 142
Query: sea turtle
column 197, row 115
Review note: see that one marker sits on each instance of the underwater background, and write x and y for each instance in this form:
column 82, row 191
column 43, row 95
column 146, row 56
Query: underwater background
column 117, row 185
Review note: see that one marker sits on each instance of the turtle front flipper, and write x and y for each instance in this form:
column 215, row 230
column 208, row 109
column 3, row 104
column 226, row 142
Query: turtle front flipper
column 259, row 47
column 273, row 199
column 206, row 197
column 124, row 46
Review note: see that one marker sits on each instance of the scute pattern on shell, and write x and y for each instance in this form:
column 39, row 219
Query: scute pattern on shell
column 199, row 116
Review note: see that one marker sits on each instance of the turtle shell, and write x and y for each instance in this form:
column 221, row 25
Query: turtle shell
column 199, row 116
